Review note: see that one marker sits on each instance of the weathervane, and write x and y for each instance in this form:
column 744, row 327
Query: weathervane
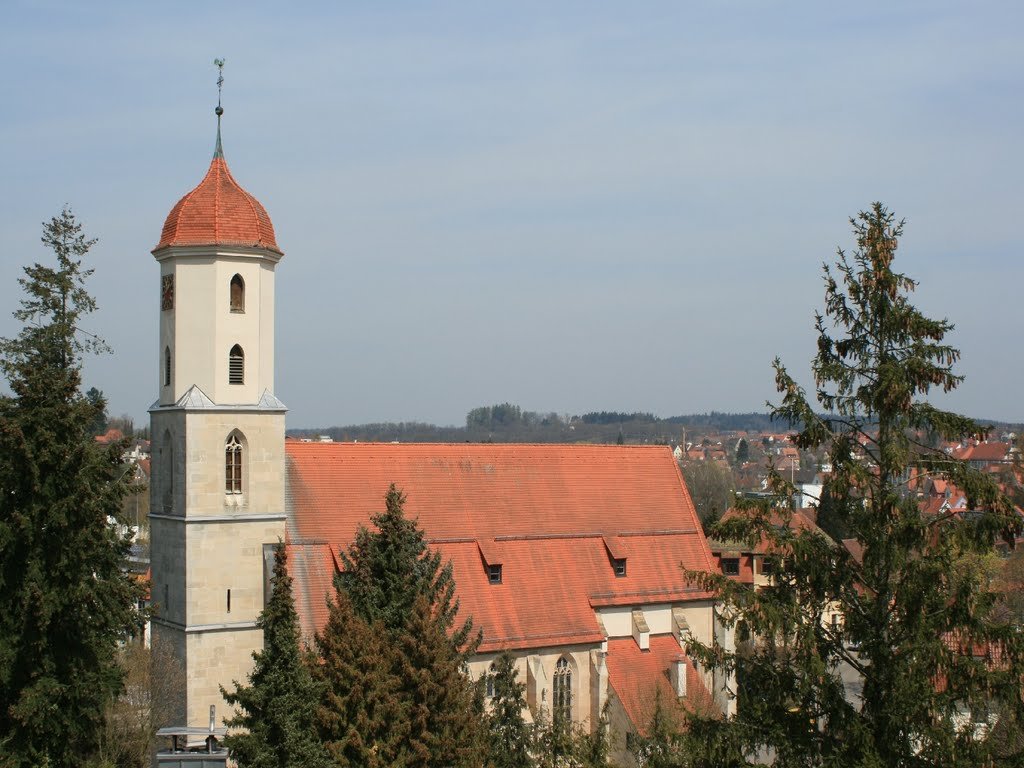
column 218, row 150
column 219, row 64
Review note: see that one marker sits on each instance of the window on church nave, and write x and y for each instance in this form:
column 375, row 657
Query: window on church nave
column 562, row 690
column 233, row 465
column 237, row 294
column 236, row 365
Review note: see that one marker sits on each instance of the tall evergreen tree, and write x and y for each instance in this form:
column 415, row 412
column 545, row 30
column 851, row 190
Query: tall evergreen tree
column 510, row 740
column 446, row 726
column 65, row 600
column 930, row 647
column 362, row 719
column 393, row 656
column 386, row 570
column 276, row 710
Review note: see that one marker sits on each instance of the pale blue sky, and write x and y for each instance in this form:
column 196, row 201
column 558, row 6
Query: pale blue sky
column 569, row 206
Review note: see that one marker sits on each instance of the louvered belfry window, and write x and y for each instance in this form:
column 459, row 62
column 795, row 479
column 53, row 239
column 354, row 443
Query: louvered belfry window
column 236, row 366
column 237, row 294
column 167, row 366
column 562, row 690
column 233, row 465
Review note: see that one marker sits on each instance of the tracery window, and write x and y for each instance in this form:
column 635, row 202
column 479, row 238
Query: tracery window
column 561, row 703
column 233, row 465
column 237, row 294
column 236, row 365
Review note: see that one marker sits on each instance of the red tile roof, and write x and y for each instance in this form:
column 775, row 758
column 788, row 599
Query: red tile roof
column 112, row 435
column 637, row 675
column 987, row 452
column 218, row 212
column 545, row 510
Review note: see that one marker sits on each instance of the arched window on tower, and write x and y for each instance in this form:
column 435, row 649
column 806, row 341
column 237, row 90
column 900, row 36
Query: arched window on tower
column 237, row 294
column 236, row 365
column 233, row 464
column 167, row 470
column 561, row 704
column 167, row 366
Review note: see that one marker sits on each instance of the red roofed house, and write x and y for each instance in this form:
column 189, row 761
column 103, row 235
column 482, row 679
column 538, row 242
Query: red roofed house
column 568, row 555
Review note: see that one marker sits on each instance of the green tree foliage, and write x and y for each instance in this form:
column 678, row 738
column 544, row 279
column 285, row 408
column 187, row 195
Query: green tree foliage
column 445, row 722
column 494, row 416
column 832, row 517
column 97, row 400
column 386, row 570
column 393, row 654
column 274, row 722
column 509, row 737
column 742, row 451
column 615, row 417
column 711, row 488
column 65, row 602
column 361, row 719
column 920, row 612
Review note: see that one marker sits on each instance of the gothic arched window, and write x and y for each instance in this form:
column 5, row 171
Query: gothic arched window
column 561, row 703
column 233, row 464
column 236, row 365
column 167, row 455
column 237, row 294
column 167, row 366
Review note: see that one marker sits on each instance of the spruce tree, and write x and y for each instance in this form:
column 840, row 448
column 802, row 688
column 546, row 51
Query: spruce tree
column 386, row 570
column 930, row 649
column 392, row 655
column 276, row 710
column 445, row 725
column 509, row 737
column 66, row 601
column 362, row 719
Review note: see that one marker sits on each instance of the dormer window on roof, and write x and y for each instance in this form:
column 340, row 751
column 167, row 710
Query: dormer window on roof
column 616, row 554
column 494, row 573
column 490, row 553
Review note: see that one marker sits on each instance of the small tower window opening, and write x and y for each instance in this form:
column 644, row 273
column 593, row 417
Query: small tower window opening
column 237, row 294
column 167, row 366
column 236, row 366
column 561, row 703
column 229, row 601
column 233, row 465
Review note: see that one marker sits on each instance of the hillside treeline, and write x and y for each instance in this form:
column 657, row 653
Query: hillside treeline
column 508, row 423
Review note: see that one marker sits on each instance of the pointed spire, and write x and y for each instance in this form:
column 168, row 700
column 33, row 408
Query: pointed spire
column 218, row 149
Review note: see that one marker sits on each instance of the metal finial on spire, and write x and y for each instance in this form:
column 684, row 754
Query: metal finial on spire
column 218, row 150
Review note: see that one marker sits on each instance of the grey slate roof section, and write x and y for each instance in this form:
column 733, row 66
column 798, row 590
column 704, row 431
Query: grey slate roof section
column 268, row 402
column 195, row 398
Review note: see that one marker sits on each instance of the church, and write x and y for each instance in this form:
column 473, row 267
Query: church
column 568, row 556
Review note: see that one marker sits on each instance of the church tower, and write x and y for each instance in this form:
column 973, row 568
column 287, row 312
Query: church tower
column 217, row 496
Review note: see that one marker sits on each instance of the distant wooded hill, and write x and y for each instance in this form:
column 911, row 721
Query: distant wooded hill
column 507, row 423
